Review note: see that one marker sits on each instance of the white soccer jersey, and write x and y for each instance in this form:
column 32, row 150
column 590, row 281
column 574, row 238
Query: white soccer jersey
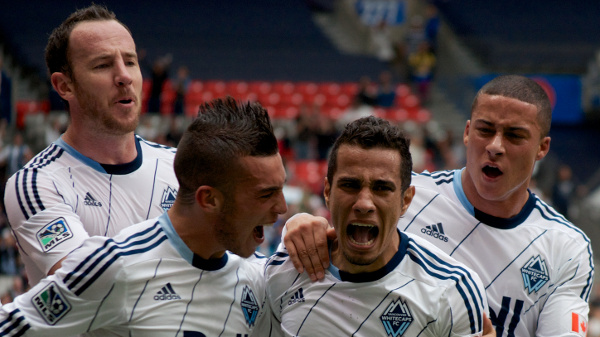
column 537, row 267
column 143, row 282
column 420, row 292
column 62, row 197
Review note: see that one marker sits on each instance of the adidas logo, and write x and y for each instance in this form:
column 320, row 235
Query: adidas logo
column 298, row 297
column 166, row 293
column 436, row 231
column 90, row 201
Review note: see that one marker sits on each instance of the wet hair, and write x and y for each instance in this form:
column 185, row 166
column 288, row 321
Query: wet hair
column 209, row 150
column 523, row 89
column 57, row 49
column 373, row 132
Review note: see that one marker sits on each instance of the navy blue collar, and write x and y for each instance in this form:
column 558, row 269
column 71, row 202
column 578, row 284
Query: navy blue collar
column 128, row 167
column 508, row 223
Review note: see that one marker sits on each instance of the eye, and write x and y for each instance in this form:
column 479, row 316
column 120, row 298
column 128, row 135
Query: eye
column 383, row 188
column 267, row 196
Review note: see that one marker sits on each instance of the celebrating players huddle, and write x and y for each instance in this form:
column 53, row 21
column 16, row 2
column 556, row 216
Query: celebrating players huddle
column 164, row 251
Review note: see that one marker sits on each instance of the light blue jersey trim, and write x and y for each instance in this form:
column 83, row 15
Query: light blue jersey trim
column 460, row 193
column 174, row 239
column 70, row 150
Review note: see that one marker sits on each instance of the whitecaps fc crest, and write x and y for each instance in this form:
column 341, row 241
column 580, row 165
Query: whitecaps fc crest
column 535, row 274
column 396, row 318
column 249, row 305
column 168, row 198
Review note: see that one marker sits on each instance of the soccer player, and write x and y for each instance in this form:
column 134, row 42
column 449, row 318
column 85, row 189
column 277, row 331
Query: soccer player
column 382, row 282
column 98, row 176
column 536, row 266
column 173, row 275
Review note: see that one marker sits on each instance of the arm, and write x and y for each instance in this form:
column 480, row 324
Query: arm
column 52, row 308
column 566, row 310
column 43, row 220
column 305, row 238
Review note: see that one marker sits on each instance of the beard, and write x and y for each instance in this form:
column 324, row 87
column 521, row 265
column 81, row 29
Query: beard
column 226, row 234
column 359, row 260
column 101, row 118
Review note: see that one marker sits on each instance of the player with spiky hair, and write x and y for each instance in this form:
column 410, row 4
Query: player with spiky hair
column 183, row 273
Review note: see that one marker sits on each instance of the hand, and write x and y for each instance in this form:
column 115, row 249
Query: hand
column 306, row 243
column 488, row 327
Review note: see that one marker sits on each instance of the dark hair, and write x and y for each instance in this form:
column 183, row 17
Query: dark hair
column 373, row 132
column 523, row 89
column 57, row 49
column 210, row 148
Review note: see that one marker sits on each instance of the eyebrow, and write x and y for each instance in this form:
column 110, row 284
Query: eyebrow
column 511, row 128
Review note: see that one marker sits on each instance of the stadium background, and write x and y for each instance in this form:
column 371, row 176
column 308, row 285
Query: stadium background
column 291, row 54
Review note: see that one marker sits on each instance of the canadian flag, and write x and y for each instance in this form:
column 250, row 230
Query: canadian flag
column 578, row 324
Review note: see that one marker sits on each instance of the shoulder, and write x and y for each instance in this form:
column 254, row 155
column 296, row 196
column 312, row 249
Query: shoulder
column 434, row 179
column 547, row 218
column 152, row 149
column 434, row 264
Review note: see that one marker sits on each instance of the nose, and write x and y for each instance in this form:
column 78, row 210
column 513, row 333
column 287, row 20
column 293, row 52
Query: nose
column 122, row 75
column 495, row 146
column 280, row 205
column 364, row 202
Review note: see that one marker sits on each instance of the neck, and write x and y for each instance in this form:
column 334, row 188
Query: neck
column 348, row 262
column 103, row 148
column 505, row 207
column 194, row 229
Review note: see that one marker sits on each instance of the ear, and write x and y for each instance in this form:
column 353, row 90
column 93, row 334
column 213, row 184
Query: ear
column 63, row 85
column 407, row 199
column 326, row 191
column 544, row 148
column 209, row 199
column 466, row 132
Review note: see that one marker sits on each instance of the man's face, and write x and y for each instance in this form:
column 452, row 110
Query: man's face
column 365, row 201
column 256, row 201
column 503, row 140
column 106, row 77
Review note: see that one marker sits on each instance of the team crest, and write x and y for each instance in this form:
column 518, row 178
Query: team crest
column 51, row 304
column 396, row 318
column 250, row 306
column 168, row 198
column 535, row 274
column 53, row 234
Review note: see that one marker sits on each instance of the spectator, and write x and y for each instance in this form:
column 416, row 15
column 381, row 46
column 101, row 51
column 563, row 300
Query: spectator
column 13, row 156
column 386, row 92
column 422, row 65
column 159, row 76
column 367, row 94
column 5, row 93
column 181, row 86
column 564, row 189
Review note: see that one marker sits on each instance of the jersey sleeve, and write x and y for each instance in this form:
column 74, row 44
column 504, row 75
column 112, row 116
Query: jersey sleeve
column 566, row 310
column 57, row 306
column 43, row 221
column 466, row 303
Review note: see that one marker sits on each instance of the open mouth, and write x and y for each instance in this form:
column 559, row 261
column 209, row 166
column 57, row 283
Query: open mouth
column 125, row 101
column 259, row 234
column 362, row 234
column 491, row 171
